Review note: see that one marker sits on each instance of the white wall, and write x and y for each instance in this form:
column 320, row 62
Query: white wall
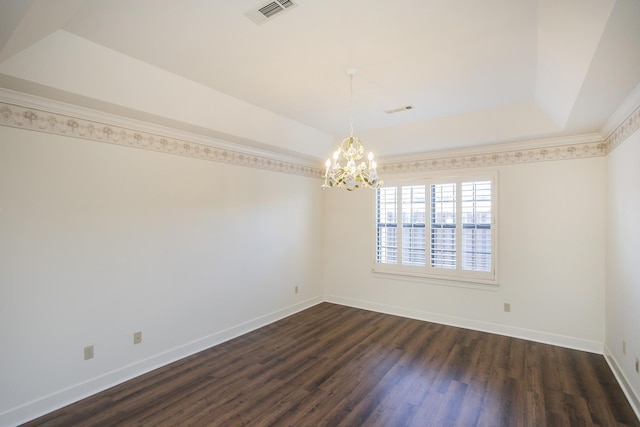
column 551, row 268
column 98, row 241
column 623, row 256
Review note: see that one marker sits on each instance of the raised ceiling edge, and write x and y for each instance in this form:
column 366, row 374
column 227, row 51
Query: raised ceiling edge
column 43, row 115
column 95, row 126
column 497, row 158
column 630, row 125
column 622, row 113
column 564, row 148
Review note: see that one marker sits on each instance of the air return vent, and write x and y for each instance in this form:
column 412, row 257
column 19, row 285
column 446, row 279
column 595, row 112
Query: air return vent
column 269, row 10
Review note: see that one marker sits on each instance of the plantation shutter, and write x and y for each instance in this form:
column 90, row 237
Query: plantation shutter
column 476, row 225
column 387, row 225
column 413, row 225
column 443, row 226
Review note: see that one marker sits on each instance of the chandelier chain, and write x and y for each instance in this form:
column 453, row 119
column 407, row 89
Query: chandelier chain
column 351, row 105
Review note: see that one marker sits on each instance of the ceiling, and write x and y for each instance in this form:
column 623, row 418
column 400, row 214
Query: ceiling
column 475, row 72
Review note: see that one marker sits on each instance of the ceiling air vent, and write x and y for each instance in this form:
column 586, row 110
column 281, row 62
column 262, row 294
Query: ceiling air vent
column 269, row 10
column 399, row 109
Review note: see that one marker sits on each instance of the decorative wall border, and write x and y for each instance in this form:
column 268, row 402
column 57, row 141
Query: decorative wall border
column 509, row 157
column 36, row 119
column 624, row 130
column 553, row 151
column 60, row 124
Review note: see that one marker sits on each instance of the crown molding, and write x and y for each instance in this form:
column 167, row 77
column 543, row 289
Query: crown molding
column 622, row 114
column 34, row 113
column 565, row 148
column 504, row 147
column 630, row 125
column 30, row 112
column 624, row 122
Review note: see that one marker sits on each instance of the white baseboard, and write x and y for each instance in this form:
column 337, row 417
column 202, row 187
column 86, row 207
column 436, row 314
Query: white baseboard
column 59, row 399
column 477, row 325
column 531, row 335
column 52, row 402
column 629, row 392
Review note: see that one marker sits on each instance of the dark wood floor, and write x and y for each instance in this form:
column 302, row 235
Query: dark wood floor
column 338, row 366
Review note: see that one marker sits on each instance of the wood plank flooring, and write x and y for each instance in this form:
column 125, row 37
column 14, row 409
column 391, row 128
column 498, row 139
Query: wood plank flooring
column 332, row 365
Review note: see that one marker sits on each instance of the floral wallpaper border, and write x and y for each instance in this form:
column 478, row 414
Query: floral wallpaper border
column 38, row 120
column 42, row 121
column 564, row 152
column 624, row 130
column 557, row 152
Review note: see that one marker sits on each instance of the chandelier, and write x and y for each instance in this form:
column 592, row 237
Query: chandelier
column 352, row 175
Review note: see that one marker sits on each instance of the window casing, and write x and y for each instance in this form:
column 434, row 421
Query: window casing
column 442, row 228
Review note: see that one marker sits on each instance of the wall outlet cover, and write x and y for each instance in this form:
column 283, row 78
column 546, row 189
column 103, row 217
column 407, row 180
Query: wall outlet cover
column 88, row 352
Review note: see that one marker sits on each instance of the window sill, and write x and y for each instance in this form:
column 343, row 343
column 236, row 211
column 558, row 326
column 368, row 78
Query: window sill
column 457, row 282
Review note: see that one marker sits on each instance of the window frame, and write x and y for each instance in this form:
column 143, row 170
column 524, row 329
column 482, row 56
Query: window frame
column 435, row 274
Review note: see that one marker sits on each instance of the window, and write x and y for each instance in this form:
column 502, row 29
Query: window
column 447, row 228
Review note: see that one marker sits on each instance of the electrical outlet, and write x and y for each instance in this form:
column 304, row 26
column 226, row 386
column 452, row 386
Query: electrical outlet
column 296, row 289
column 88, row 352
column 624, row 347
column 507, row 307
column 137, row 337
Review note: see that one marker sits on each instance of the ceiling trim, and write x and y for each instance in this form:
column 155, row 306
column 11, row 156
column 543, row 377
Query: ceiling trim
column 620, row 126
column 497, row 148
column 622, row 113
column 77, row 122
column 497, row 158
column 29, row 112
column 624, row 130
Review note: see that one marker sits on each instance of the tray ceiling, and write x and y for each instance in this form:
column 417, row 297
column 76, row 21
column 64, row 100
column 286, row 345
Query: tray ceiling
column 473, row 72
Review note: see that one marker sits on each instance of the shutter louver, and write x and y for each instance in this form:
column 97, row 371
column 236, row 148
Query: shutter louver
column 476, row 225
column 387, row 225
column 413, row 225
column 443, row 225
